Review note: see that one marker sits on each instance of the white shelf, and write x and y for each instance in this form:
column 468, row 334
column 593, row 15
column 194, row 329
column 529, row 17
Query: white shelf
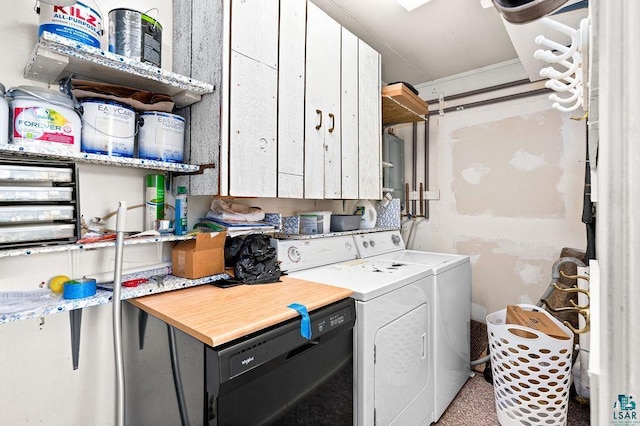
column 55, row 58
column 52, row 304
column 108, row 160
column 28, row 251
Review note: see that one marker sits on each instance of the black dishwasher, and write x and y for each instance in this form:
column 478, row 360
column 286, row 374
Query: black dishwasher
column 256, row 379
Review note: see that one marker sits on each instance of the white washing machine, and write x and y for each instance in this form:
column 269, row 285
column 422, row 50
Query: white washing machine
column 393, row 351
column 452, row 308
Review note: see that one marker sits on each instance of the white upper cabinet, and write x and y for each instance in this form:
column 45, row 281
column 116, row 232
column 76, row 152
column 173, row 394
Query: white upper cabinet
column 298, row 101
column 322, row 149
column 291, row 78
column 254, row 30
column 369, row 123
column 252, row 101
column 342, row 113
column 349, row 102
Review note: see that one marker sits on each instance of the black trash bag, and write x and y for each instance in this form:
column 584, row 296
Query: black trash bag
column 256, row 261
column 232, row 248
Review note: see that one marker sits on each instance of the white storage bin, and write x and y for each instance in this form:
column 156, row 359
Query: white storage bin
column 531, row 376
column 315, row 222
column 35, row 174
column 35, row 193
column 19, row 234
column 11, row 214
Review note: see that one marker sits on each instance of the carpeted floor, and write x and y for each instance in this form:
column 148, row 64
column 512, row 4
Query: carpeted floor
column 475, row 406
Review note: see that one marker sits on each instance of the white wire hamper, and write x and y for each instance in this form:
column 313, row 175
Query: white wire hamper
column 531, row 375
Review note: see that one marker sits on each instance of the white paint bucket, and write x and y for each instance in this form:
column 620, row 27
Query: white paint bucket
column 161, row 137
column 78, row 22
column 43, row 118
column 4, row 118
column 109, row 127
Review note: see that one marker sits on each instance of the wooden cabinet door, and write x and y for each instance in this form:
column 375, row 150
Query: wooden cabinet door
column 349, row 109
column 369, row 123
column 252, row 102
column 322, row 106
column 291, row 78
column 254, row 30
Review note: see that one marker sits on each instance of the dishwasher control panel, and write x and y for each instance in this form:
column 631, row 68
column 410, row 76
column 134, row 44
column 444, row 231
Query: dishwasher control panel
column 283, row 341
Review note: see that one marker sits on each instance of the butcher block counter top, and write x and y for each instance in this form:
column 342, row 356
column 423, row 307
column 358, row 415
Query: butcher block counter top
column 217, row 315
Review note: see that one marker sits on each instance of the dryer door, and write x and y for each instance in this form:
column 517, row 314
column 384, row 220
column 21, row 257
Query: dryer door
column 402, row 369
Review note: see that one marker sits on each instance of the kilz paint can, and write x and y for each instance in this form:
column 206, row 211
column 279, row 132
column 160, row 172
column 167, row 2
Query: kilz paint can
column 135, row 35
column 109, row 127
column 78, row 22
column 43, row 118
column 161, row 136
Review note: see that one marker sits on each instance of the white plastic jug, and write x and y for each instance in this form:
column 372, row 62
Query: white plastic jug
column 368, row 212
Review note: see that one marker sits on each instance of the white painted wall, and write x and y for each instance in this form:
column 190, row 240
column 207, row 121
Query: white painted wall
column 510, row 177
column 512, row 248
column 37, row 381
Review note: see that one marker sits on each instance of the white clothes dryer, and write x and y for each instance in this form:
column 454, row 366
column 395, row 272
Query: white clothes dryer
column 452, row 308
column 393, row 353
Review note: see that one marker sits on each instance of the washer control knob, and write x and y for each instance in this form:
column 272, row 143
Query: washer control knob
column 395, row 239
column 294, row 254
column 365, row 244
column 348, row 246
column 372, row 243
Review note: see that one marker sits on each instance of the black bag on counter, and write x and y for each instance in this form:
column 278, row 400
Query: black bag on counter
column 253, row 259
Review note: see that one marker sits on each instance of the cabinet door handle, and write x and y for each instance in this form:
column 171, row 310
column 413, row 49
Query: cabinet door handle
column 320, row 114
column 333, row 122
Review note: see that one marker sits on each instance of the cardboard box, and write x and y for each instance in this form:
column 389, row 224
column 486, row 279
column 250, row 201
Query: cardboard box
column 532, row 319
column 201, row 257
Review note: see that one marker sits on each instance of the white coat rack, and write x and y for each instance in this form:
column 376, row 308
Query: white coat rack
column 569, row 65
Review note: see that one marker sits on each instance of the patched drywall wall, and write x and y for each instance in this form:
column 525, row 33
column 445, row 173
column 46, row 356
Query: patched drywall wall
column 509, row 167
column 510, row 177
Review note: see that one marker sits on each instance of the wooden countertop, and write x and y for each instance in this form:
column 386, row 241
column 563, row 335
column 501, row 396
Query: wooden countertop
column 217, row 315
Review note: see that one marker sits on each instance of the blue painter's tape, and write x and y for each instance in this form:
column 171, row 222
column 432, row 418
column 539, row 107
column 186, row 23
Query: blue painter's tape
column 78, row 289
column 305, row 323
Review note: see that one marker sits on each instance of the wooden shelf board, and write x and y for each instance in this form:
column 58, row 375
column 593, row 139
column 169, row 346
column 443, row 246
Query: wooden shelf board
column 400, row 105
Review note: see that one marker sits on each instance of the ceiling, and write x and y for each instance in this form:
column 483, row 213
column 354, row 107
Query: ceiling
column 443, row 38
column 438, row 39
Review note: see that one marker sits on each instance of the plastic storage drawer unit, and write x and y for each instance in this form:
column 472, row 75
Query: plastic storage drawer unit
column 12, row 214
column 21, row 234
column 11, row 172
column 35, row 193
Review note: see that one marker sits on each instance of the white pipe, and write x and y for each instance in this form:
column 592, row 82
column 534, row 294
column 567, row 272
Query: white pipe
column 573, row 107
column 558, row 86
column 551, row 72
column 548, row 56
column 570, row 100
column 117, row 314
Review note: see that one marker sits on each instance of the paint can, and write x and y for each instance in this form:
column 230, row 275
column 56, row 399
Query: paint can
column 135, row 35
column 43, row 118
column 154, row 201
column 109, row 127
column 161, row 136
column 4, row 117
column 78, row 22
